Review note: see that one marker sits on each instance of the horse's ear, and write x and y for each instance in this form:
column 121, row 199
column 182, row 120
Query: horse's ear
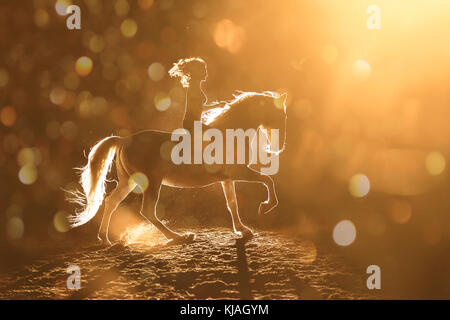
column 283, row 99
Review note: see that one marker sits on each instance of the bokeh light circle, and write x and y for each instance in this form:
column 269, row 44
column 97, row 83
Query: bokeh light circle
column 145, row 4
column 61, row 6
column 129, row 28
column 362, row 70
column 139, row 182
column 60, row 222
column 156, row 71
column 28, row 174
column 15, row 228
column 84, row 66
column 344, row 233
column 400, row 211
column 162, row 101
column 359, row 185
column 8, row 116
column 435, row 163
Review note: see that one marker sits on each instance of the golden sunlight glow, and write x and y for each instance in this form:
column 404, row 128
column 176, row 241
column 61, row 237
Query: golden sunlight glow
column 200, row 9
column 344, row 233
column 143, row 233
column 361, row 70
column 229, row 36
column 432, row 232
column 367, row 135
column 84, row 66
column 329, row 54
column 139, row 182
column 359, row 185
column 303, row 108
column 435, row 163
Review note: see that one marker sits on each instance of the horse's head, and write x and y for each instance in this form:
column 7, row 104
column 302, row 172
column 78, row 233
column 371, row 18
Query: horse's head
column 189, row 69
column 273, row 116
column 263, row 110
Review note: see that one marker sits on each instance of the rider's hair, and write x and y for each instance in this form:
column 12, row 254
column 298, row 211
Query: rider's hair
column 188, row 69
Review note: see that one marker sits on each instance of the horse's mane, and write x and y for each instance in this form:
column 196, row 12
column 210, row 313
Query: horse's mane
column 239, row 97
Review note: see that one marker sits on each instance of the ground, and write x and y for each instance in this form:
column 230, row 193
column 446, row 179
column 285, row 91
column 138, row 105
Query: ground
column 216, row 265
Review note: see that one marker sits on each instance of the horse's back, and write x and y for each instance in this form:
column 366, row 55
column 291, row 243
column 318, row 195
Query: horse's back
column 150, row 151
column 143, row 148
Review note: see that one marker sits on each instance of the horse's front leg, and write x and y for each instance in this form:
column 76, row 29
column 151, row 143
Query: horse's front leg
column 272, row 200
column 246, row 174
column 230, row 196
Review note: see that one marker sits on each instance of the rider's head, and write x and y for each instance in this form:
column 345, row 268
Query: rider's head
column 188, row 70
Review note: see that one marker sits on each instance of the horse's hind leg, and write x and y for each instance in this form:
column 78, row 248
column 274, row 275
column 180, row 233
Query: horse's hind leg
column 150, row 202
column 230, row 196
column 112, row 202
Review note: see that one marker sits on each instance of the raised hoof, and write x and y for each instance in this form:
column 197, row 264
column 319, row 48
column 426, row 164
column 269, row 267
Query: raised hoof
column 99, row 240
column 264, row 209
column 182, row 239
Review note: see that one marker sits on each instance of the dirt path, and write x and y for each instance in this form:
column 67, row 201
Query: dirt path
column 271, row 266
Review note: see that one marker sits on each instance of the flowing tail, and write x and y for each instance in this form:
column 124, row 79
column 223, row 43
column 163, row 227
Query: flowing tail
column 93, row 179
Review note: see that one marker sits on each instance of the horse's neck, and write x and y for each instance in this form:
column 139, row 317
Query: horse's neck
column 238, row 117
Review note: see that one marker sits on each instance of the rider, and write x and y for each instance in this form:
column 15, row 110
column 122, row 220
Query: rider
column 192, row 73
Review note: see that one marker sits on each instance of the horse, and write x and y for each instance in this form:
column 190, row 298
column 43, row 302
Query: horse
column 142, row 153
